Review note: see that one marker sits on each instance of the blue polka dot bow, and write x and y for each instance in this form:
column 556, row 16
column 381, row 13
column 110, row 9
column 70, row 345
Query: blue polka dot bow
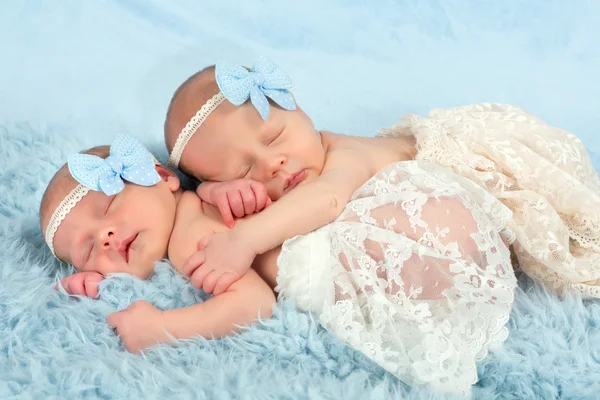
column 264, row 79
column 128, row 160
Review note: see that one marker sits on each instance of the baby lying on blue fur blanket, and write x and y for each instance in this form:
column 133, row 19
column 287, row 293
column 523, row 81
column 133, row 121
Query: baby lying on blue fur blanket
column 398, row 244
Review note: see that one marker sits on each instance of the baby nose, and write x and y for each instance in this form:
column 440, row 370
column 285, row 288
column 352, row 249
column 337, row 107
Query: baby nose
column 107, row 238
column 273, row 164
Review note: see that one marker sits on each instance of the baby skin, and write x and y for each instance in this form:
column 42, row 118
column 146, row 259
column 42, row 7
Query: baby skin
column 310, row 175
column 251, row 297
column 128, row 232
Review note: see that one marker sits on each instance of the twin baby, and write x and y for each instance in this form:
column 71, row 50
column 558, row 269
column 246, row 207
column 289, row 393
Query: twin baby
column 115, row 209
column 402, row 245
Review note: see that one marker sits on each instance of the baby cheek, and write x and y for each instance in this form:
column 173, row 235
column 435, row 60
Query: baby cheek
column 273, row 191
column 193, row 166
column 145, row 270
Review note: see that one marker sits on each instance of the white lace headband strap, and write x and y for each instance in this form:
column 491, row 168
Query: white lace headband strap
column 192, row 126
column 61, row 212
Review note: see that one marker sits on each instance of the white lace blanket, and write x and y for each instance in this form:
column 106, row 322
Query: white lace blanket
column 416, row 274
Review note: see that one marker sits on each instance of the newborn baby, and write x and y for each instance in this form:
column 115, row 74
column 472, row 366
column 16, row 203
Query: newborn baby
column 100, row 231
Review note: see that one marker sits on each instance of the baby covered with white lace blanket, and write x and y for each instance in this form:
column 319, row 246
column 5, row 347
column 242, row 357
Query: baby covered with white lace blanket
column 532, row 185
column 388, row 252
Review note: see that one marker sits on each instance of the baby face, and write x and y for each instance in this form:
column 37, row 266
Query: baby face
column 126, row 232
column 235, row 142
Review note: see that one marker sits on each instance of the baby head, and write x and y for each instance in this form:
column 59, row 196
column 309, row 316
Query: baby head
column 228, row 122
column 111, row 210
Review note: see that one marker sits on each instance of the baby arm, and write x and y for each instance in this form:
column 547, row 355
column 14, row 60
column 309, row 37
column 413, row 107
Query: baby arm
column 225, row 257
column 141, row 325
column 304, row 209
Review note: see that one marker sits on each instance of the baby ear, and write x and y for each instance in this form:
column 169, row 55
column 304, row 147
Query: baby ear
column 168, row 176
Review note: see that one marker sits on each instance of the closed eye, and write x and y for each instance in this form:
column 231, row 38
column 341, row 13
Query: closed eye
column 246, row 172
column 274, row 137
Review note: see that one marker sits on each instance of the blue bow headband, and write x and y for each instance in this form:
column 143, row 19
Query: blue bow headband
column 264, row 79
column 128, row 160
column 237, row 85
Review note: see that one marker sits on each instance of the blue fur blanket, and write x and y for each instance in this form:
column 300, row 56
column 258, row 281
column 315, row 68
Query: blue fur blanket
column 73, row 74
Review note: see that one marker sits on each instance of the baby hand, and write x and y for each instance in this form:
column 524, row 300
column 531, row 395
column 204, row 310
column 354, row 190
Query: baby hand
column 140, row 326
column 82, row 284
column 235, row 198
column 220, row 261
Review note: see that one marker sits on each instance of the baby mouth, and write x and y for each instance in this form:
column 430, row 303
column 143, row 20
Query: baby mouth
column 293, row 180
column 125, row 247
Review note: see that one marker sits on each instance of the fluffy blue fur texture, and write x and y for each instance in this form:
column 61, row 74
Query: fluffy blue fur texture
column 74, row 74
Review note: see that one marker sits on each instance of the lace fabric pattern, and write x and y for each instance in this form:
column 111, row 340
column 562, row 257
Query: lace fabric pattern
column 64, row 208
column 416, row 274
column 542, row 173
column 192, row 126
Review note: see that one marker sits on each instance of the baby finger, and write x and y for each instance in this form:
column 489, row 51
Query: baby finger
column 193, row 262
column 199, row 275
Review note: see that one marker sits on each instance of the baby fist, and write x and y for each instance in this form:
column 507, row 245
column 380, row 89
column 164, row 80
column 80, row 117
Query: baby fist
column 140, row 326
column 237, row 198
column 82, row 284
